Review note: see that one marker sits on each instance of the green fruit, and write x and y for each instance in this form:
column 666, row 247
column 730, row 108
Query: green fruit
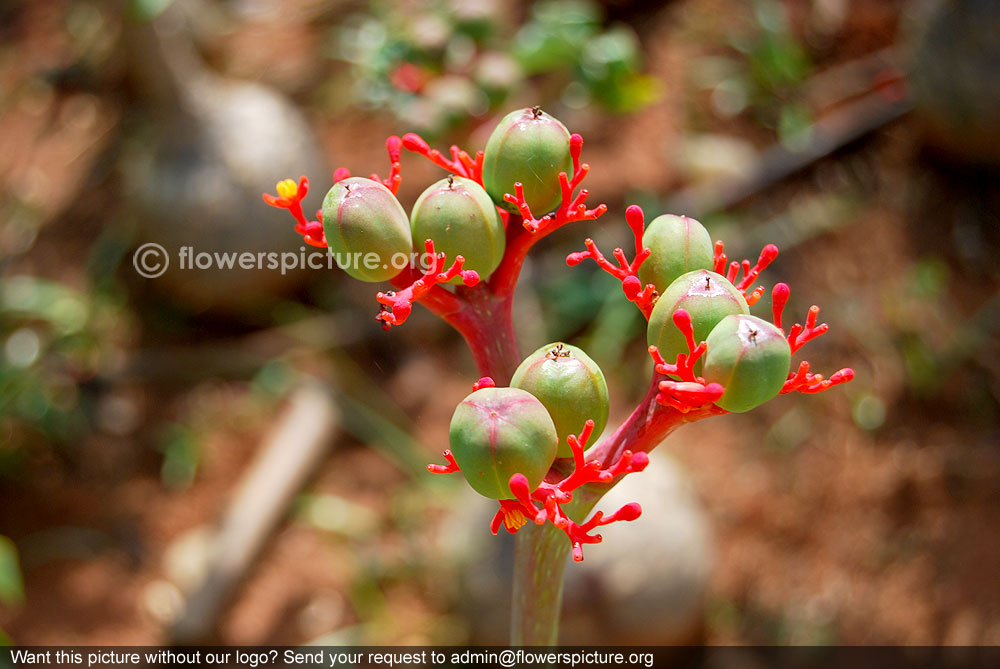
column 366, row 229
column 707, row 296
column 462, row 220
column 679, row 245
column 571, row 387
column 530, row 147
column 750, row 358
column 498, row 432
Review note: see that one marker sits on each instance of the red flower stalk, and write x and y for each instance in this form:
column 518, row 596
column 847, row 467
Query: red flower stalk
column 690, row 392
column 628, row 273
column 802, row 380
column 290, row 196
column 545, row 502
column 394, row 145
column 395, row 306
column 571, row 208
column 750, row 274
column 461, row 164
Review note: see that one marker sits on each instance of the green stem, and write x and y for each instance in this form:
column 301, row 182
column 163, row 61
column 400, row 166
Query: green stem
column 541, row 551
column 540, row 557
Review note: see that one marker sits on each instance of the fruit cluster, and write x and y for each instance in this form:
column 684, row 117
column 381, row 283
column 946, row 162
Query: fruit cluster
column 524, row 444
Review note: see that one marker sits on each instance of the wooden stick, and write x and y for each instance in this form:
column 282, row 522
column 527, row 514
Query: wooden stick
column 284, row 463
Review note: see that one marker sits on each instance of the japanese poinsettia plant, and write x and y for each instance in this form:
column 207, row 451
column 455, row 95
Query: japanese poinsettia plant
column 531, row 434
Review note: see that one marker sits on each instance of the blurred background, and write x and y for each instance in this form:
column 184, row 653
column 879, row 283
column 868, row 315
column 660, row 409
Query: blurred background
column 238, row 457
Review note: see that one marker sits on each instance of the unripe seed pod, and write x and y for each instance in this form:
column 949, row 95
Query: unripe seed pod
column 750, row 358
column 571, row 387
column 707, row 296
column 462, row 220
column 679, row 245
column 498, row 432
column 530, row 147
column 366, row 229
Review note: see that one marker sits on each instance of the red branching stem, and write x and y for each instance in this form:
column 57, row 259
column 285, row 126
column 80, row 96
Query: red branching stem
column 798, row 336
column 570, row 208
column 460, row 164
column 523, row 231
column 551, row 496
column 690, row 392
column 290, row 196
column 545, row 502
column 452, row 466
column 626, row 272
column 395, row 306
column 750, row 272
column 394, row 146
column 804, row 381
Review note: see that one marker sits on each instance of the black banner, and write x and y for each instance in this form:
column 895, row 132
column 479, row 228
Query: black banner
column 441, row 657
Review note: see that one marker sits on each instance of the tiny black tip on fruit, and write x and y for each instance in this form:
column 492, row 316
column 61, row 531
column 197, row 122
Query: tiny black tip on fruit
column 558, row 352
column 451, row 181
column 753, row 336
column 536, row 111
column 708, row 282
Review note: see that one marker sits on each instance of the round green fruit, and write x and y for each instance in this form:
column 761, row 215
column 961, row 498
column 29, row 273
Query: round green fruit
column 498, row 432
column 708, row 297
column 530, row 147
column 366, row 229
column 679, row 245
column 750, row 358
column 571, row 387
column 462, row 220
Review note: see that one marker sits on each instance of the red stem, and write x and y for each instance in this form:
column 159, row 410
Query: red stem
column 519, row 242
column 486, row 324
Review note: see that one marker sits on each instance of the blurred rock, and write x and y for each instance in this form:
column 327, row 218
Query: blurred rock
column 707, row 157
column 644, row 585
column 196, row 174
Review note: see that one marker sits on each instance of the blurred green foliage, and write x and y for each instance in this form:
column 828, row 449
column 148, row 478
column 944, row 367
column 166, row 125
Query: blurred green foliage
column 11, row 586
column 54, row 339
column 765, row 79
column 437, row 65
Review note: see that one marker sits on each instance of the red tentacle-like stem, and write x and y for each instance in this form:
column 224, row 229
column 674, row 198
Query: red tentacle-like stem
column 460, row 164
column 802, row 380
column 750, row 272
column 644, row 297
column 545, row 502
column 525, row 231
column 799, row 335
column 394, row 146
column 690, row 392
column 570, row 208
column 395, row 306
